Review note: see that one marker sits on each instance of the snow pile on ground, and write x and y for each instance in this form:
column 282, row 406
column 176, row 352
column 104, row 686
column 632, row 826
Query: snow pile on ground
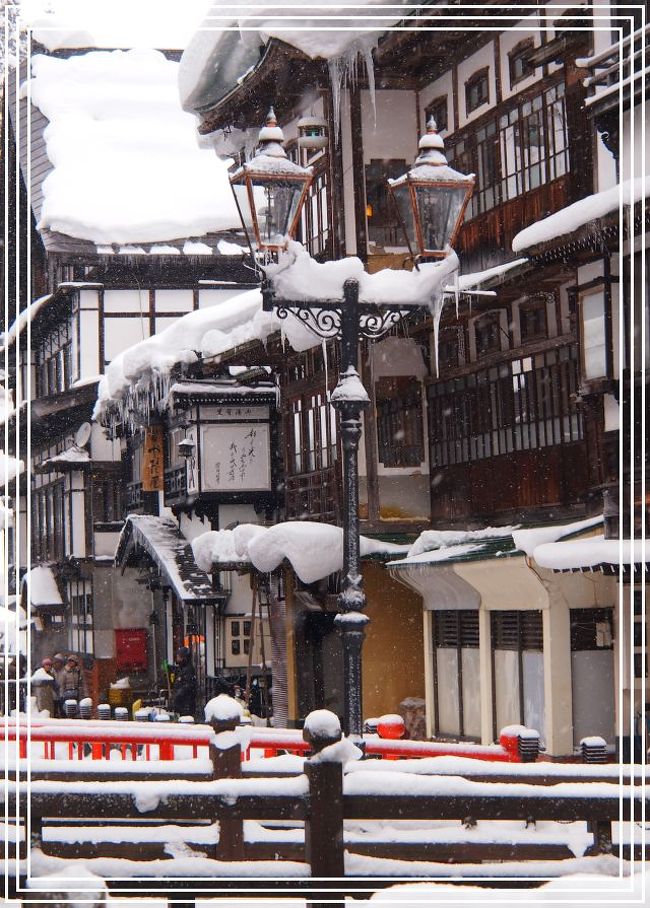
column 568, row 219
column 315, row 550
column 527, row 540
column 127, row 167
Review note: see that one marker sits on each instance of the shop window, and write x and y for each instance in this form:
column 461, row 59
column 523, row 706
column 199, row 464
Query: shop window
column 477, row 90
column 107, row 500
column 518, row 64
column 456, row 668
column 399, row 422
column 518, row 669
column 438, row 110
column 383, row 223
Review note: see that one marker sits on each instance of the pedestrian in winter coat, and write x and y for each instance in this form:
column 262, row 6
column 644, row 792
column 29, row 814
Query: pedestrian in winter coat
column 44, row 687
column 184, row 689
column 58, row 667
column 71, row 684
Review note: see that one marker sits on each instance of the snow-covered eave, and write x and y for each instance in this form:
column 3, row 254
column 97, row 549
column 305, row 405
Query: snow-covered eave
column 246, row 95
column 584, row 218
column 607, row 556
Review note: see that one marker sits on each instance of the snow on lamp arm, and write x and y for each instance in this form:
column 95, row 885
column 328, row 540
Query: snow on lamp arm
column 270, row 190
column 431, row 198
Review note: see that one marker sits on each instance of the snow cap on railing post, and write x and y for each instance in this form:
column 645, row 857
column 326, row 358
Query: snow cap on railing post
column 322, row 728
column 520, row 743
column 224, row 714
column 594, row 749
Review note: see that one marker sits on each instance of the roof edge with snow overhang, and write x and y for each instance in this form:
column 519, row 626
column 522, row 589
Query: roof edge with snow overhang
column 162, row 541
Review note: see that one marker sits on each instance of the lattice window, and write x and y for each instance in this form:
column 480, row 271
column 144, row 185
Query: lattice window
column 399, row 422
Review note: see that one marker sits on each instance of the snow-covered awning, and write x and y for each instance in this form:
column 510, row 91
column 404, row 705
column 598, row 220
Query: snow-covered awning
column 41, row 590
column 436, row 547
column 162, row 541
column 595, row 554
column 73, row 458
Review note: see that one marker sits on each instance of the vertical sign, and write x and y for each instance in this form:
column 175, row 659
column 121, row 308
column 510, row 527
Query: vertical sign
column 153, row 475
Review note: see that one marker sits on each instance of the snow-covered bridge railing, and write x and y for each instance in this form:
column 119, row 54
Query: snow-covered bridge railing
column 347, row 812
column 98, row 740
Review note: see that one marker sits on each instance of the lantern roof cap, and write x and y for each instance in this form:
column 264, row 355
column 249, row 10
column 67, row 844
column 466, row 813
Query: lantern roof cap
column 431, row 163
column 271, row 137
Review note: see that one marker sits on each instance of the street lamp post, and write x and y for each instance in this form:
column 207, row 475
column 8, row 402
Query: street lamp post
column 350, row 319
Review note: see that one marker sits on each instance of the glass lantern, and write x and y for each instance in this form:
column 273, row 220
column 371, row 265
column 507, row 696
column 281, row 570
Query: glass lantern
column 270, row 191
column 431, row 198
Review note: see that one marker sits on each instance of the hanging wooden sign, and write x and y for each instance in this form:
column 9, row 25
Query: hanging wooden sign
column 153, row 462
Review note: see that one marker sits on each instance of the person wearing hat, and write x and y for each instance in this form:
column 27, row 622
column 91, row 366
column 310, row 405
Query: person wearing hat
column 44, row 687
column 71, row 684
column 183, row 699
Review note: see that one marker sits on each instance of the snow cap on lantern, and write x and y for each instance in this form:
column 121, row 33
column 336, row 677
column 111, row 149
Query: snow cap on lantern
column 431, row 198
column 270, row 190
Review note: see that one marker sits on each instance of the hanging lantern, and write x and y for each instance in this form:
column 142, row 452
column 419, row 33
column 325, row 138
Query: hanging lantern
column 431, row 198
column 270, row 190
column 312, row 133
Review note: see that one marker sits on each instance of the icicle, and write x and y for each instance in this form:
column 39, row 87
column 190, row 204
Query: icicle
column 336, row 80
column 370, row 72
column 456, row 291
column 327, row 384
column 436, row 310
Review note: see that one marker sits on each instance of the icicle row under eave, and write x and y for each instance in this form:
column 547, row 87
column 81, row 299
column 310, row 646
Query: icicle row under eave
column 344, row 73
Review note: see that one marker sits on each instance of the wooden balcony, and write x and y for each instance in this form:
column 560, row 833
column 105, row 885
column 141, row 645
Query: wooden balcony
column 314, row 496
column 616, row 74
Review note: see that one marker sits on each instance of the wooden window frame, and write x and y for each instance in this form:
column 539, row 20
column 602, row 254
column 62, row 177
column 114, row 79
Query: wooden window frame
column 399, row 407
column 439, row 103
column 491, row 320
column 455, row 634
column 532, row 305
column 518, row 54
column 480, row 77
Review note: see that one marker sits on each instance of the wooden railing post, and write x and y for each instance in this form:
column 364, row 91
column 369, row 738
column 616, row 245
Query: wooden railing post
column 226, row 764
column 324, row 825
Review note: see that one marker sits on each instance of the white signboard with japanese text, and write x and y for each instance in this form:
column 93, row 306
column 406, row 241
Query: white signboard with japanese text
column 235, row 457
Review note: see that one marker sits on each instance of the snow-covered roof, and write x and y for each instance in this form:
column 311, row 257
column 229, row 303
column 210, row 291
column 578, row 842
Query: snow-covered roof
column 527, row 540
column 162, row 540
column 565, row 221
column 445, row 546
column 314, row 550
column 127, row 166
column 73, row 457
column 41, row 587
column 226, row 47
column 24, row 318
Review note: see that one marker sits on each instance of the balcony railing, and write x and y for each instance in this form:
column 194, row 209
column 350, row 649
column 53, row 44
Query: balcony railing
column 618, row 69
column 314, row 495
column 175, row 483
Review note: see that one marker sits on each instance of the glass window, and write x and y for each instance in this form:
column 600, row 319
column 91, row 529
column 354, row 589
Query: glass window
column 518, row 64
column 594, row 350
column 477, row 90
column 399, row 422
column 438, row 110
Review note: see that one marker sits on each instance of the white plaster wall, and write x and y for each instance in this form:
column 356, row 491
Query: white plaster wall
column 120, row 333
column 174, row 300
column 394, row 132
column 213, row 296
column 128, row 300
column 240, row 513
column 78, row 542
column 193, row 526
column 101, row 447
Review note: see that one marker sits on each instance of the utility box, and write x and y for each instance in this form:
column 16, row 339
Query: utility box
column 131, row 649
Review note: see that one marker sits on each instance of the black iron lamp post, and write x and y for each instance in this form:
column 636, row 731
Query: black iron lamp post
column 350, row 319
